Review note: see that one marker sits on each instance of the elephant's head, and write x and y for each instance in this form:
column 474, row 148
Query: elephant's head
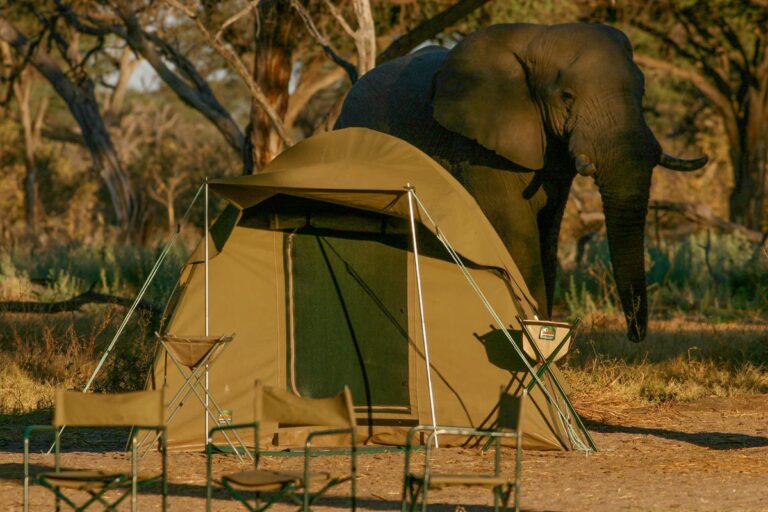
column 520, row 88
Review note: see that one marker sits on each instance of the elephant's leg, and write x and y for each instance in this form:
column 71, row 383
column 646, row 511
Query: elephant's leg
column 500, row 196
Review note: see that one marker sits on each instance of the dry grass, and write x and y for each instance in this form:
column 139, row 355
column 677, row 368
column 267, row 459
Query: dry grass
column 39, row 353
column 681, row 360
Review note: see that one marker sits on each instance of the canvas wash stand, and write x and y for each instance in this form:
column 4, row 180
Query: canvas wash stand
column 193, row 357
column 545, row 342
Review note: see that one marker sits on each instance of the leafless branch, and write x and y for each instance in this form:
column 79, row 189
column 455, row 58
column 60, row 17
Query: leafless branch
column 720, row 100
column 429, row 29
column 233, row 19
column 340, row 18
column 348, row 67
column 237, row 64
column 195, row 92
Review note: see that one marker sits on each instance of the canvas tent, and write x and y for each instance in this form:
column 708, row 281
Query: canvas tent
column 311, row 265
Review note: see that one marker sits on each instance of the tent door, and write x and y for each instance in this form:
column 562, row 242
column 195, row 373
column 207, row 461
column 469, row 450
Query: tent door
column 348, row 319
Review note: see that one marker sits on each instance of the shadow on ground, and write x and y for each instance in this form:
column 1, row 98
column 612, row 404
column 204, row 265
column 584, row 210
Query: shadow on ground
column 711, row 440
column 14, row 472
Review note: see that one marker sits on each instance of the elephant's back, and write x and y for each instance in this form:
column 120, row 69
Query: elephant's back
column 396, row 98
column 390, row 97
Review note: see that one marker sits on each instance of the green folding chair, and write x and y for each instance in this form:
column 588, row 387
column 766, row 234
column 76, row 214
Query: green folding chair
column 279, row 406
column 141, row 410
column 417, row 482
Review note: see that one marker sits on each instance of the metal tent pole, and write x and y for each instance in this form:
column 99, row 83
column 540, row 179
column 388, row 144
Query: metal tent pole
column 410, row 190
column 501, row 325
column 129, row 314
column 206, row 234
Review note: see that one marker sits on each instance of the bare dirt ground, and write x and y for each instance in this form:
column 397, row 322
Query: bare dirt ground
column 706, row 455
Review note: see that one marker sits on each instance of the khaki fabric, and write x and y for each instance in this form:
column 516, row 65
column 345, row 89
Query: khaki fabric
column 247, row 297
column 190, row 351
column 254, row 275
column 366, row 169
column 289, row 410
column 92, row 480
column 547, row 336
column 266, row 480
column 139, row 409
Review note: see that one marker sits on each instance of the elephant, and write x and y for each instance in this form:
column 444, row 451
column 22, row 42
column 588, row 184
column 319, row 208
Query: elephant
column 514, row 112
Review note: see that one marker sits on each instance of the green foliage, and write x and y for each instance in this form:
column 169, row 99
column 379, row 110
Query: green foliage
column 67, row 271
column 722, row 277
column 39, row 353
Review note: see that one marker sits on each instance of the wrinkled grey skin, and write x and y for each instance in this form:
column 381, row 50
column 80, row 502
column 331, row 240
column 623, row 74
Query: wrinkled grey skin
column 512, row 111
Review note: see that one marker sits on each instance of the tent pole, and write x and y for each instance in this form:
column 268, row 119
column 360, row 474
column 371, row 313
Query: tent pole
column 410, row 190
column 205, row 234
column 168, row 246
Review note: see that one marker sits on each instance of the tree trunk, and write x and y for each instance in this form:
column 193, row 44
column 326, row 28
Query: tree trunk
column 750, row 167
column 30, row 130
column 81, row 101
column 272, row 72
column 171, row 210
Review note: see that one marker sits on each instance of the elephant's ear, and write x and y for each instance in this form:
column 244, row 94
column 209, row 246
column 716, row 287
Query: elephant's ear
column 481, row 92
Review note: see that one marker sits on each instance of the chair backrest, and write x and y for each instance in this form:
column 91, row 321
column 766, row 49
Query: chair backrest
column 511, row 410
column 288, row 410
column 136, row 409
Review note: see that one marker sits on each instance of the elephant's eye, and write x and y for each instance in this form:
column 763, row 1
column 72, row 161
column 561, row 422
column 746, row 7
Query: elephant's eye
column 567, row 95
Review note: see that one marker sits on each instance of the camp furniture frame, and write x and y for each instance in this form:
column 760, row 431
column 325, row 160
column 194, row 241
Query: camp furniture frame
column 546, row 358
column 141, row 410
column 193, row 356
column 417, row 484
column 285, row 408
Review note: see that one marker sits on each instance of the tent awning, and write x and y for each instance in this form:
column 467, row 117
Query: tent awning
column 370, row 170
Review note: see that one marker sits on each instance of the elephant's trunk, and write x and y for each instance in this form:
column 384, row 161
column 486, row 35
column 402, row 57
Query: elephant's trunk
column 625, row 225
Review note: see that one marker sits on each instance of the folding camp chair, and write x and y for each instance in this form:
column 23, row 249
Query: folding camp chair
column 417, row 483
column 545, row 342
column 193, row 356
column 287, row 409
column 143, row 409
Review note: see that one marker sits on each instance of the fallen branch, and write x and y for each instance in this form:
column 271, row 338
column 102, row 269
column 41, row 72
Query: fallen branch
column 73, row 304
column 696, row 214
column 703, row 215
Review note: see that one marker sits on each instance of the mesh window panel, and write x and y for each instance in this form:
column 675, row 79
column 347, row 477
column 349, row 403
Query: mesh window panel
column 350, row 319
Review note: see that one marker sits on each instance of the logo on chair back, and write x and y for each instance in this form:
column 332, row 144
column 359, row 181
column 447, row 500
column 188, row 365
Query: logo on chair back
column 225, row 417
column 547, row 333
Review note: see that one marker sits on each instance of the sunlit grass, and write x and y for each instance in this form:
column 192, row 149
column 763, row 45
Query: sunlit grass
column 39, row 353
column 681, row 360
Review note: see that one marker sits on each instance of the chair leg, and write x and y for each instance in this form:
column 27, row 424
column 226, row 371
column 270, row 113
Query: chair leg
column 404, row 504
column 415, row 491
column 517, row 498
column 496, row 498
column 505, row 494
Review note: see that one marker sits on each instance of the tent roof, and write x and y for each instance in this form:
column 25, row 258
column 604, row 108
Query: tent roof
column 370, row 170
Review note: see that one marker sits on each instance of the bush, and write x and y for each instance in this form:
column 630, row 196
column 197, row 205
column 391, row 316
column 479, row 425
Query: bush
column 721, row 277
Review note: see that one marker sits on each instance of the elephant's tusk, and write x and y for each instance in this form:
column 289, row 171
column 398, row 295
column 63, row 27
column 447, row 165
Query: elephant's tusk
column 682, row 164
column 584, row 166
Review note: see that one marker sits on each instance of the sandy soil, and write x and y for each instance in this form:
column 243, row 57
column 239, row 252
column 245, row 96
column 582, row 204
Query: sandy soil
column 707, row 455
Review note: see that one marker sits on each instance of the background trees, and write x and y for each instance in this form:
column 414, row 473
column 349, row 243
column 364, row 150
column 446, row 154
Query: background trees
column 718, row 48
column 112, row 110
